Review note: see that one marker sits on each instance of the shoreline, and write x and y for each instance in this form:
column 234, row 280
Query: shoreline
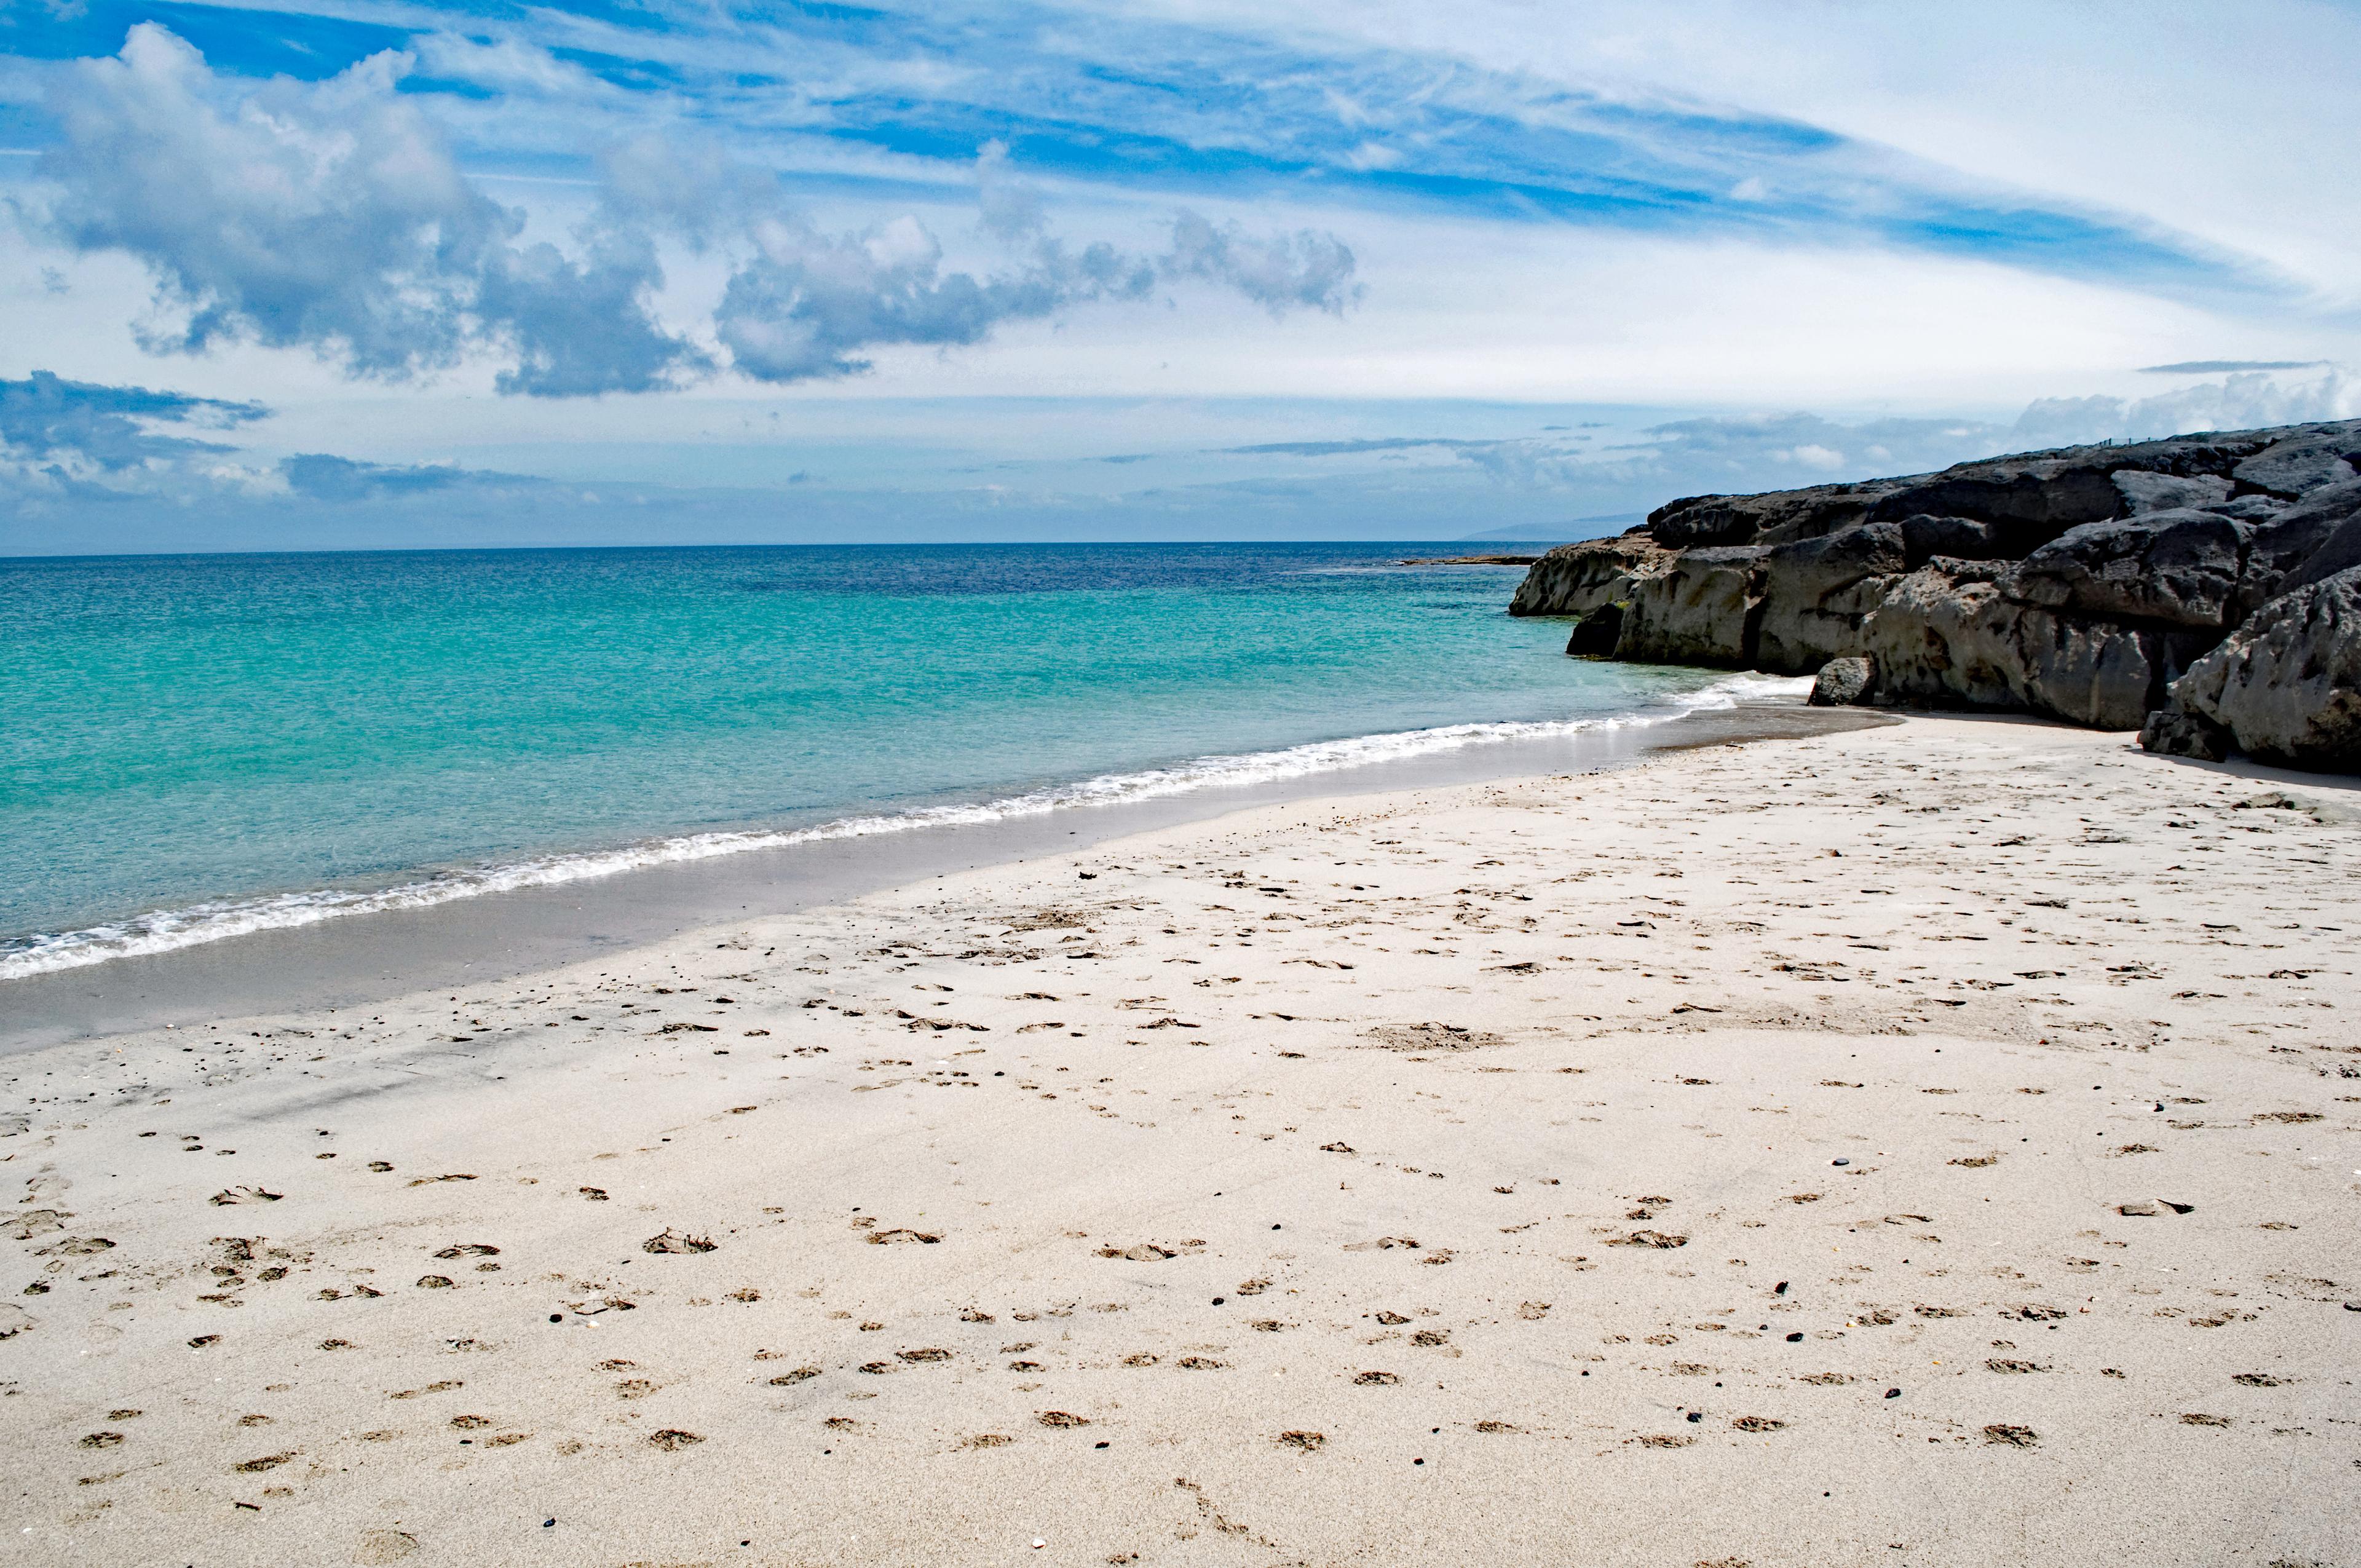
column 1955, row 1113
column 353, row 957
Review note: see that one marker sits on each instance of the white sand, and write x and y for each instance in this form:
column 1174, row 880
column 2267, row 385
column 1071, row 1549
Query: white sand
column 1398, row 1081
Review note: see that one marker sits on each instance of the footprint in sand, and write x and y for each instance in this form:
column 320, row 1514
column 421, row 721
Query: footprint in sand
column 670, row 1240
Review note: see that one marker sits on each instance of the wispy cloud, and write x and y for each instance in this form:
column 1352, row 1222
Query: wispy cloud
column 2218, row 366
column 46, row 419
column 1353, row 448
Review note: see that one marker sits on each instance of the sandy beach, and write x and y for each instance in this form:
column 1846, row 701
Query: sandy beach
column 1938, row 1142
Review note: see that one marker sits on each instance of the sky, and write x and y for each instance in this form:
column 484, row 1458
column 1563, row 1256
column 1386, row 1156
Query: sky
column 325, row 274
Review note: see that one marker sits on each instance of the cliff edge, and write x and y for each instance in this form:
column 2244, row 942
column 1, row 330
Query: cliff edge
column 2204, row 589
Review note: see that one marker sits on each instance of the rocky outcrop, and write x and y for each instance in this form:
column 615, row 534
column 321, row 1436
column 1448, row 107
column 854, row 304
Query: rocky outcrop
column 1577, row 579
column 1698, row 609
column 2285, row 686
column 1816, row 594
column 2181, row 586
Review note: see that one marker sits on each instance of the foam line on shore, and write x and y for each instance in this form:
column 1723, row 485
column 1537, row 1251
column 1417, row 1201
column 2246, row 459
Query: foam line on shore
column 167, row 930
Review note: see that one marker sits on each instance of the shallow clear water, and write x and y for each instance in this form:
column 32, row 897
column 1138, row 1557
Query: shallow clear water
column 195, row 745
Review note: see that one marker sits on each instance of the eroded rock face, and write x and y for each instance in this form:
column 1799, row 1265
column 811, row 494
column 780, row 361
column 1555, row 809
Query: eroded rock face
column 2302, row 461
column 1778, row 518
column 2167, row 492
column 2078, row 584
column 1700, row 609
column 2316, row 538
column 2286, row 686
column 1947, row 636
column 1576, row 579
column 2181, row 567
column 1816, row 594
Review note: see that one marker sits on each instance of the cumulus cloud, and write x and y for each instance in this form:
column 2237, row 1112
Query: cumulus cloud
column 333, row 216
column 2243, row 401
column 809, row 303
column 1288, row 271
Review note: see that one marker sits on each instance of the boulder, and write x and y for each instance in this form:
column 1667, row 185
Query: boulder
column 2176, row 732
column 1700, row 609
column 2181, row 567
column 1817, row 593
column 1777, row 518
column 1577, row 579
column 1925, row 536
column 1946, row 640
column 2143, row 491
column 1844, row 683
column 2315, row 539
column 2286, row 684
column 2029, row 501
column 2303, row 460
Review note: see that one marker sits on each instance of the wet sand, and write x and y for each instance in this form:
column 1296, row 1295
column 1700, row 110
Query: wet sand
column 1929, row 1143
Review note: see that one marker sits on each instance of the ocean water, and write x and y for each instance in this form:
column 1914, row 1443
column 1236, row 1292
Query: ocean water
column 196, row 746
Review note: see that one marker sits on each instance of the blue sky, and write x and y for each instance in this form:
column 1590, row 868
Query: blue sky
column 305, row 275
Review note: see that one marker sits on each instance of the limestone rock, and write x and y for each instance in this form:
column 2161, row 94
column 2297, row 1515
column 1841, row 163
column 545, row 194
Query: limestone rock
column 2302, row 460
column 2180, row 566
column 2176, row 732
column 1779, row 517
column 1578, row 579
column 1941, row 641
column 2029, row 502
column 2322, row 533
column 1595, row 634
column 1844, row 683
column 1817, row 593
column 2144, row 492
column 1700, row 609
column 1925, row 536
column 2079, row 582
column 2286, row 684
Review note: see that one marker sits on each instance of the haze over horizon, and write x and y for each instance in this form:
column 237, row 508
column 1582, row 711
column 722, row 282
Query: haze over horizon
column 367, row 274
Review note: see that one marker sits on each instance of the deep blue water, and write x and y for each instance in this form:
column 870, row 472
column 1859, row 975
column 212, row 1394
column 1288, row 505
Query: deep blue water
column 193, row 745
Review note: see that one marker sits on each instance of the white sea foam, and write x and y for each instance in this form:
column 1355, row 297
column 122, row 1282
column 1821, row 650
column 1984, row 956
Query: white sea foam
column 164, row 930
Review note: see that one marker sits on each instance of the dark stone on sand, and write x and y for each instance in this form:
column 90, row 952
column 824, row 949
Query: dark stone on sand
column 1842, row 683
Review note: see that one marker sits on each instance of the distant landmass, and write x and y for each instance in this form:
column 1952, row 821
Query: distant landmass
column 1572, row 528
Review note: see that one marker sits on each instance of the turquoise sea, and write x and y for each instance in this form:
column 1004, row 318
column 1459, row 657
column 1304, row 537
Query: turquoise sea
column 195, row 746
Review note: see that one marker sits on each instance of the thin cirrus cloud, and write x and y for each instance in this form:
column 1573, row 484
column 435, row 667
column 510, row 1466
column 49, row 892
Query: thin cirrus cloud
column 333, row 215
column 2218, row 366
column 61, row 438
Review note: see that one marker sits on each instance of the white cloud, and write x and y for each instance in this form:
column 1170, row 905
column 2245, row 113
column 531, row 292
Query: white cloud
column 2247, row 402
column 331, row 217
